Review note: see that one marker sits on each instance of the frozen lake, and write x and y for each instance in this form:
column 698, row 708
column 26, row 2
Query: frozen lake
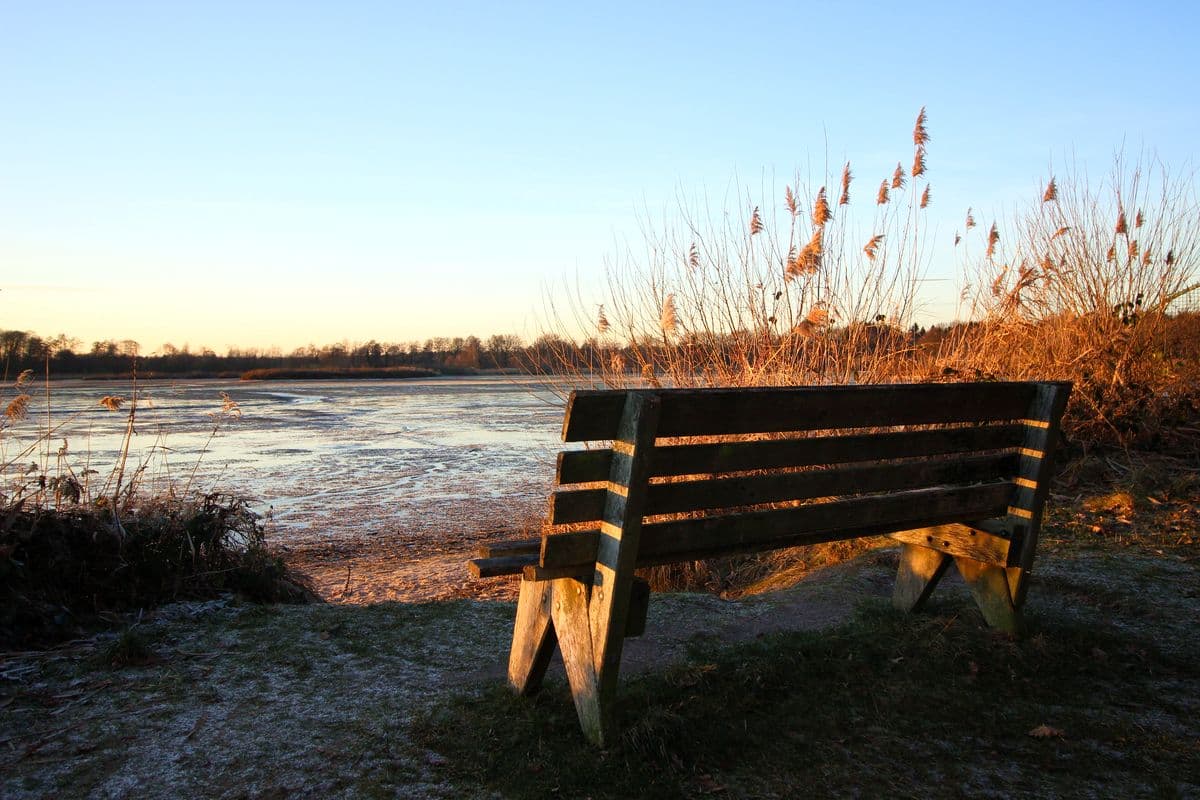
column 414, row 462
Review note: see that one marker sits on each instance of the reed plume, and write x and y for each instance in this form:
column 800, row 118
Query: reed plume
column 1139, row 220
column 602, row 321
column 1051, row 193
column 918, row 167
column 998, row 283
column 667, row 321
column 882, row 196
column 872, row 246
column 789, row 199
column 993, row 239
column 810, row 257
column 920, row 133
column 1060, row 232
column 112, row 403
column 816, row 319
column 925, row 197
column 1122, row 228
column 821, row 212
column 694, row 256
column 18, row 408
column 970, row 220
column 756, row 223
column 898, row 177
column 846, row 178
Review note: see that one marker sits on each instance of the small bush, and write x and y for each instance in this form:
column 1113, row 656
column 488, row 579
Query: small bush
column 60, row 569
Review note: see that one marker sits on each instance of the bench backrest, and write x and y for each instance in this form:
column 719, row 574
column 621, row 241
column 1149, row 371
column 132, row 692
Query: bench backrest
column 715, row 471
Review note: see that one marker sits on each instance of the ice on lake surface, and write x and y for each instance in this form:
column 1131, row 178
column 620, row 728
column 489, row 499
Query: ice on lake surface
column 330, row 460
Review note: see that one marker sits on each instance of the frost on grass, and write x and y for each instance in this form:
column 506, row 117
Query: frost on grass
column 245, row 701
column 317, row 701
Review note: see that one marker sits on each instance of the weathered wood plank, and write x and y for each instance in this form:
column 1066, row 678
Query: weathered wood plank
column 712, row 412
column 511, row 547
column 663, row 542
column 917, row 576
column 577, row 505
column 959, row 540
column 617, row 551
column 533, row 639
column 502, row 565
column 536, row 572
column 671, row 498
column 561, row 549
column 1041, row 436
column 592, row 415
column 583, row 466
column 828, row 450
column 569, row 613
column 586, row 505
column 991, row 592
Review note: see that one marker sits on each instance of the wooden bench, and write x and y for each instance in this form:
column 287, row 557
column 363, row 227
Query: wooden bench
column 956, row 472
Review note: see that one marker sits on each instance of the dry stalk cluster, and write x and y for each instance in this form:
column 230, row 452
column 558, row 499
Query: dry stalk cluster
column 1091, row 284
column 814, row 287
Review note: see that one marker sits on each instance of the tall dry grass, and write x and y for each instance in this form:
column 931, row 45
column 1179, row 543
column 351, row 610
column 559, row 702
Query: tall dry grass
column 819, row 285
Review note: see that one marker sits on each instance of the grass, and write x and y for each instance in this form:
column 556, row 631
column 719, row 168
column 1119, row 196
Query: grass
column 908, row 706
column 885, row 705
column 1101, row 698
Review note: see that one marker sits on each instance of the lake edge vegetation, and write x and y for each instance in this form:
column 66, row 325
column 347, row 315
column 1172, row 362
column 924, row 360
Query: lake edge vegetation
column 81, row 548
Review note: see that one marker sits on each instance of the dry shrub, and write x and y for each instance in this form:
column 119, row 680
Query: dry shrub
column 1092, row 289
column 77, row 545
column 61, row 568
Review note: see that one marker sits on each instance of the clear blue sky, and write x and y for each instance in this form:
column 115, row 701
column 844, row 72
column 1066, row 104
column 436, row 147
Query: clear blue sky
column 282, row 173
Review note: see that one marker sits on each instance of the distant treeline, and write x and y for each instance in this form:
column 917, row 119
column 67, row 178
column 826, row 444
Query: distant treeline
column 66, row 357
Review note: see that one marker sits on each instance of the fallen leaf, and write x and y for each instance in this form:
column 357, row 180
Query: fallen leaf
column 1046, row 732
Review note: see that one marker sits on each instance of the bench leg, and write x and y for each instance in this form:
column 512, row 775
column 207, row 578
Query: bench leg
column 920, row 570
column 534, row 639
column 992, row 592
column 572, row 620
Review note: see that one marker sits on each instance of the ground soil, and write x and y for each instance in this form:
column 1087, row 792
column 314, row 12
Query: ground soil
column 230, row 699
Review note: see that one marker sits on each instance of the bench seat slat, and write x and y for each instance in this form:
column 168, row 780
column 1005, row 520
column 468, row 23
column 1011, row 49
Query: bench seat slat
column 588, row 466
column 593, row 415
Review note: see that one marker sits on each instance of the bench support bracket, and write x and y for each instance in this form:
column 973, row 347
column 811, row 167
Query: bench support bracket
column 920, row 570
column 534, row 638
